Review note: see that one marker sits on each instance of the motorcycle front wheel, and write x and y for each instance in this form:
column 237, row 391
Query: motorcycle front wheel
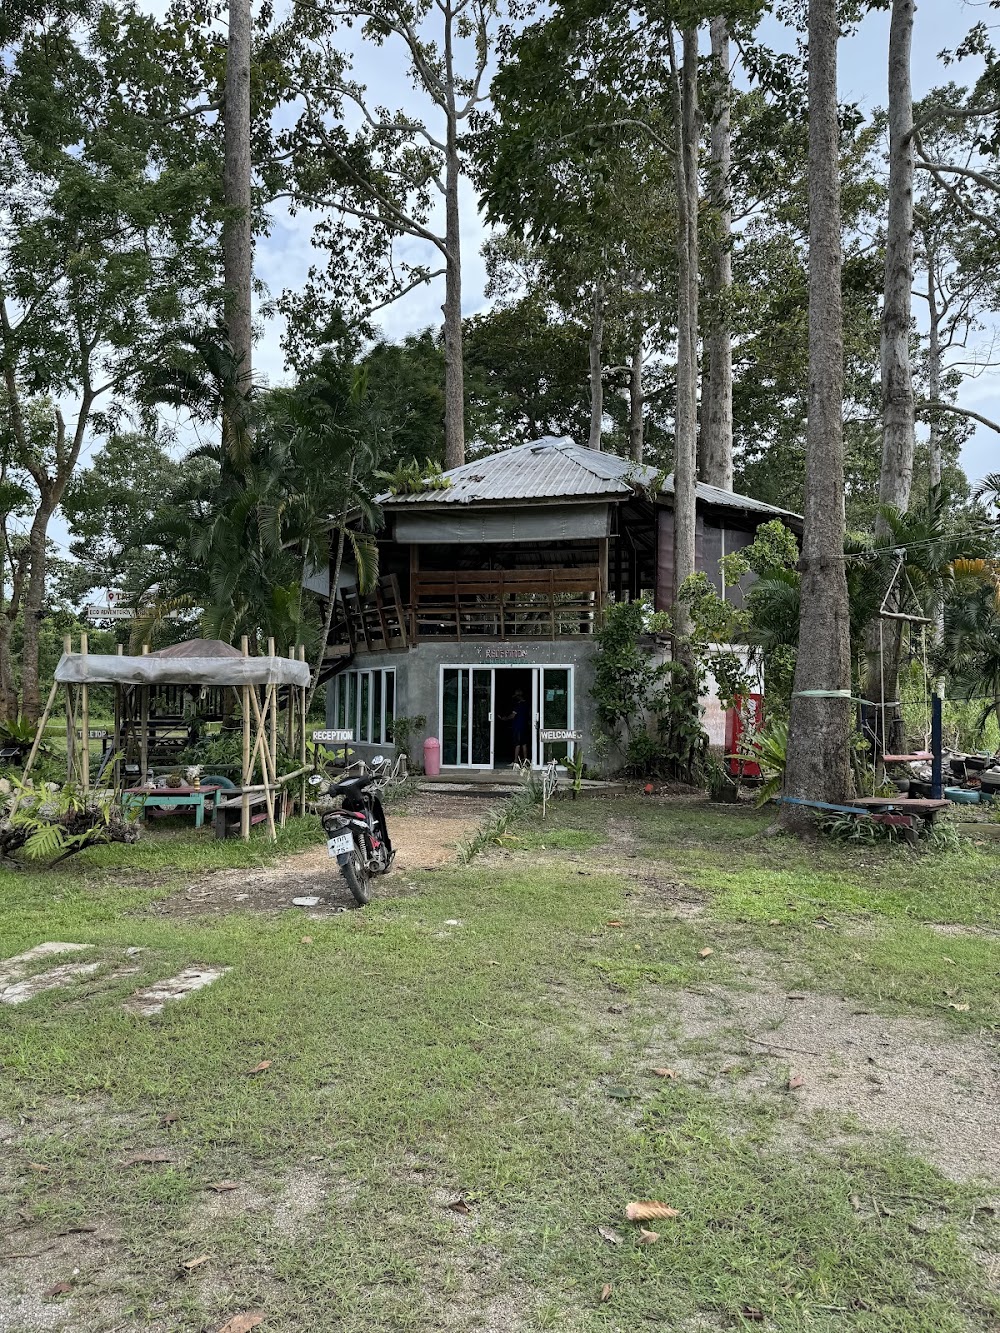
column 356, row 874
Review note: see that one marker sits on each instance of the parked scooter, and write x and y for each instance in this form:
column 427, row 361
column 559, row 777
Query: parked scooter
column 356, row 834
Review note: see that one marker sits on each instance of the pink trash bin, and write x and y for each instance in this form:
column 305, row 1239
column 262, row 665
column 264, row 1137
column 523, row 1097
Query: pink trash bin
column 432, row 756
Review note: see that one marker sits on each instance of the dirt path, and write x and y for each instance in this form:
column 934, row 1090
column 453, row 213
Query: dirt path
column 425, row 836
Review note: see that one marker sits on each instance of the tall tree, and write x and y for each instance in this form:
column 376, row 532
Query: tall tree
column 392, row 179
column 896, row 474
column 685, row 92
column 717, row 399
column 237, row 227
column 818, row 766
column 101, row 249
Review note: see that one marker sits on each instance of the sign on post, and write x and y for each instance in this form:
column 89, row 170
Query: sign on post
column 335, row 736
column 98, row 733
column 547, row 734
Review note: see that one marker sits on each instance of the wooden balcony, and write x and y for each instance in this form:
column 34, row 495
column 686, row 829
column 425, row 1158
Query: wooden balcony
column 505, row 604
column 475, row 604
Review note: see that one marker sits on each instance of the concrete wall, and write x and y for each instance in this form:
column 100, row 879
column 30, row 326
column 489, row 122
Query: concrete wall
column 418, row 682
column 418, row 678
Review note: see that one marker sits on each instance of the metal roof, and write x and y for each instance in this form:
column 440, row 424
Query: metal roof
column 556, row 468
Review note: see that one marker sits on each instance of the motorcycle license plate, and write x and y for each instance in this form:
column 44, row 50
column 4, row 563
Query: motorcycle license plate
column 340, row 844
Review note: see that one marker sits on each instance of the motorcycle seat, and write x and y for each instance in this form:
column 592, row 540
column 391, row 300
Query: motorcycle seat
column 352, row 786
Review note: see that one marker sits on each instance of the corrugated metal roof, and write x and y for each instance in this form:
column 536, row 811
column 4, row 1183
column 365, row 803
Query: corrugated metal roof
column 557, row 468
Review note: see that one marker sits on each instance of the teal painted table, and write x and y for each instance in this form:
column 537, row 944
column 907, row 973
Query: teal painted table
column 173, row 798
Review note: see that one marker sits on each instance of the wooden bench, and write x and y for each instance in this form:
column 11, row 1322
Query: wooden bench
column 877, row 809
column 229, row 811
column 917, row 806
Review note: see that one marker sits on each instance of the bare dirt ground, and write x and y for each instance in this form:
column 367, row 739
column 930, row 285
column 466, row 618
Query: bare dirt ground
column 425, row 836
column 908, row 1076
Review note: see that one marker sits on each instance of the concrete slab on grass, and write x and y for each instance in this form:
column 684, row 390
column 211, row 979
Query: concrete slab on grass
column 154, row 999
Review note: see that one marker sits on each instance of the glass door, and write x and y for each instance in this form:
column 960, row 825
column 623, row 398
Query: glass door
column 467, row 713
column 481, row 741
column 555, row 690
column 454, row 714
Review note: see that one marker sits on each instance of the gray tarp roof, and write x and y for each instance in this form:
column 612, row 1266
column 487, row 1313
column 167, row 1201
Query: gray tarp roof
column 196, row 662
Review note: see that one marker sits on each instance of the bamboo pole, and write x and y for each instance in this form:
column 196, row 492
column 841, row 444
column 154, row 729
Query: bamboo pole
column 302, row 735
column 266, row 762
column 85, row 721
column 144, row 728
column 116, row 735
column 39, row 732
column 70, row 721
column 247, row 770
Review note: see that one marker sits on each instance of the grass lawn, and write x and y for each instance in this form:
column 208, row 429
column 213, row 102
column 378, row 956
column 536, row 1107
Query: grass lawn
column 488, row 1036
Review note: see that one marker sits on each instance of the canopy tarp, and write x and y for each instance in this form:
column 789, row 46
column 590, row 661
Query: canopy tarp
column 196, row 662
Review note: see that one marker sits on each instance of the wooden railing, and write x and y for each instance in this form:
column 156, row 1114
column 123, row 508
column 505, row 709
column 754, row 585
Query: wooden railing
column 473, row 604
column 505, row 604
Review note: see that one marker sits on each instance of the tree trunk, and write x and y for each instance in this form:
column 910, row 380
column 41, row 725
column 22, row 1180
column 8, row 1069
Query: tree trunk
column 686, row 416
column 717, row 405
column 933, row 366
column 454, row 376
column 237, row 229
column 596, row 348
column 331, row 601
column 896, row 475
column 897, row 386
column 34, row 603
column 636, row 402
column 818, row 764
column 8, row 686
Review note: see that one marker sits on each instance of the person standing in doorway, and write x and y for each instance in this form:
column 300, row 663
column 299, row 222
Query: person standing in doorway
column 519, row 717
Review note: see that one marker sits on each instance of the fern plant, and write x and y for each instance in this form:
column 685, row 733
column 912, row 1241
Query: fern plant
column 50, row 825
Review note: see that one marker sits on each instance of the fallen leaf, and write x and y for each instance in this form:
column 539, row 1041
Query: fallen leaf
column 606, row 1291
column 612, row 1237
column 621, row 1093
column 171, row 1118
column 37, row 1166
column 460, row 1206
column 223, row 1186
column 856, row 1202
column 60, row 1289
column 705, row 953
column 795, row 1082
column 774, row 921
column 959, row 1008
column 243, row 1323
column 665, row 1073
column 753, row 1314
column 259, row 1069
column 614, row 923
column 306, row 939
column 189, row 1265
column 148, row 1158
column 649, row 1211
column 648, row 1237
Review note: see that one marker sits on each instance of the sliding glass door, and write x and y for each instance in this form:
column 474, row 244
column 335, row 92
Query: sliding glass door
column 467, row 717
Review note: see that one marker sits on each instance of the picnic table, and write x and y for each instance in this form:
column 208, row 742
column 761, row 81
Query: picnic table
column 172, row 798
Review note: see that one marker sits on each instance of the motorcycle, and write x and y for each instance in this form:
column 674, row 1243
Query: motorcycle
column 357, row 835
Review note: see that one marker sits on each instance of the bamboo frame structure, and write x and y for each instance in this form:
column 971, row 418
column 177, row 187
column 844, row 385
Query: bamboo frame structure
column 260, row 706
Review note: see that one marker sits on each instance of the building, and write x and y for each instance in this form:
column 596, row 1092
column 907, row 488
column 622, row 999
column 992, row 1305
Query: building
column 491, row 587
